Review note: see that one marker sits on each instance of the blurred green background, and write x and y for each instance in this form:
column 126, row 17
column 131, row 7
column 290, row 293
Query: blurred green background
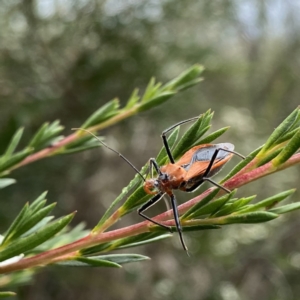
column 62, row 59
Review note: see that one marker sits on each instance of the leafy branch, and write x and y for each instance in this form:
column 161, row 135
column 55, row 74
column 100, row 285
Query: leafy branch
column 35, row 239
column 47, row 141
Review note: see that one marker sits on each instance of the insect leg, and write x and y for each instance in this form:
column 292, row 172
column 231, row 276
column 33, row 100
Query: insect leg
column 148, row 204
column 208, row 169
column 154, row 164
column 165, row 141
column 177, row 220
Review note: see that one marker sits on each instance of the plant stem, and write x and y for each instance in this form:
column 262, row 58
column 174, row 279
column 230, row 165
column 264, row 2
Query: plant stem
column 94, row 238
column 71, row 138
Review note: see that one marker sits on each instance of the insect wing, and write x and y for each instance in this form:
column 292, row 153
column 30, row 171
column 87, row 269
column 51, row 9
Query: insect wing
column 203, row 156
column 187, row 157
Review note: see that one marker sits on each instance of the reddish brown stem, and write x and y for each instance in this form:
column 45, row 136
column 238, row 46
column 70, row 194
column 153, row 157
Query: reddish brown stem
column 92, row 239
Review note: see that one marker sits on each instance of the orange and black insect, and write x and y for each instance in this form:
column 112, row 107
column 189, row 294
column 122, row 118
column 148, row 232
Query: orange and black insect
column 197, row 165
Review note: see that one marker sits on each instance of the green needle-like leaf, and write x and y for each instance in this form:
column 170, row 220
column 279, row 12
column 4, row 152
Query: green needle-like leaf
column 252, row 217
column 14, row 143
column 211, row 137
column 151, row 90
column 232, row 207
column 87, row 146
column 145, row 238
column 291, row 148
column 38, row 136
column 105, row 112
column 269, row 202
column 280, row 131
column 189, row 137
column 29, row 242
column 185, row 79
column 161, row 98
column 4, row 182
column 133, row 100
column 211, row 207
column 89, row 262
column 37, row 202
column 95, row 262
column 18, row 220
column 201, row 227
column 7, row 294
column 34, row 219
column 122, row 258
column 137, row 198
column 285, row 208
column 190, row 213
column 14, row 159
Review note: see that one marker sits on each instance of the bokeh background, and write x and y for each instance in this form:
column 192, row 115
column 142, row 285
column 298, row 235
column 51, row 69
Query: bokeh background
column 62, row 59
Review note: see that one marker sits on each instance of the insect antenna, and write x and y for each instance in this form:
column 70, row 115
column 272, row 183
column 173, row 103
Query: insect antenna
column 113, row 150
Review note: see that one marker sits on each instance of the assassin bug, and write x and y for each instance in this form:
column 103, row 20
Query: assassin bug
column 197, row 165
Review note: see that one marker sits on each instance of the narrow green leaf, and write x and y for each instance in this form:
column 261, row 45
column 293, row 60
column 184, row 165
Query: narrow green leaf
column 52, row 126
column 171, row 141
column 14, row 143
column 140, row 239
column 29, row 242
column 291, row 148
column 39, row 225
column 206, row 121
column 38, row 136
column 49, row 136
column 182, row 81
column 87, row 146
column 212, row 207
column 88, row 262
column 96, row 249
column 18, row 220
column 287, row 136
column 200, row 133
column 189, row 137
column 252, row 217
column 7, row 294
column 161, row 98
column 268, row 157
column 38, row 200
column 122, row 258
column 151, row 90
column 147, row 239
column 81, row 141
column 200, row 227
column 95, row 262
column 269, row 202
column 190, row 84
column 282, row 129
column 4, row 182
column 33, row 220
column 285, row 208
column 103, row 113
column 13, row 160
column 211, row 137
column 137, row 198
column 133, row 100
column 233, row 207
column 37, row 207
column 200, row 204
column 226, row 199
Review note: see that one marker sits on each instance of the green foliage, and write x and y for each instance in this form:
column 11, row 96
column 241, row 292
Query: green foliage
column 44, row 240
